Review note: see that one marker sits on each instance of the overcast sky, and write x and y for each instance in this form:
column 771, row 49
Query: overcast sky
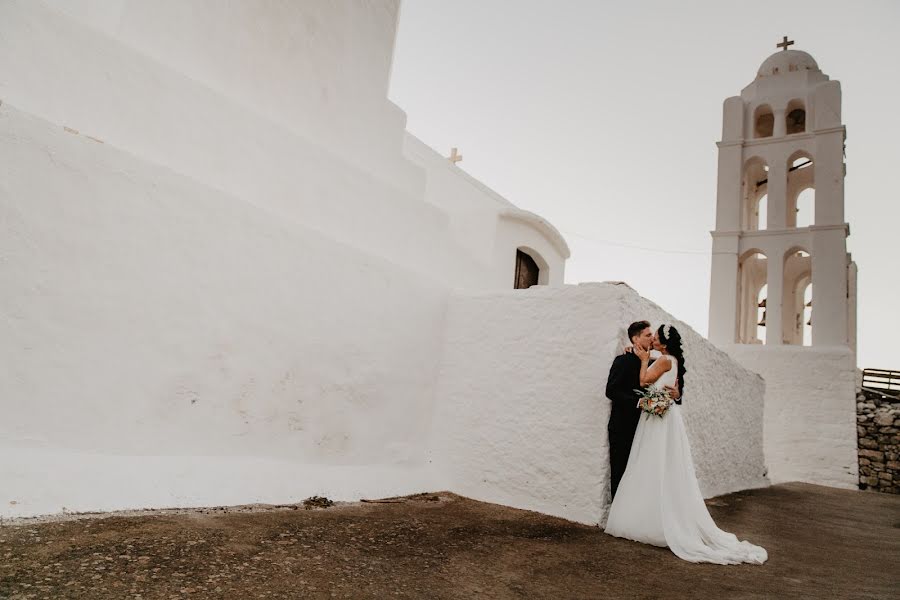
column 602, row 117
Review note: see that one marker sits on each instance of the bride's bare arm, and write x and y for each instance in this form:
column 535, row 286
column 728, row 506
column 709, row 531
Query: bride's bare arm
column 651, row 374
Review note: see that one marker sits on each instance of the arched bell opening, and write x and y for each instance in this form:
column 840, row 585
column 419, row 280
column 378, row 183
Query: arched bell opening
column 763, row 121
column 755, row 186
column 753, row 297
column 795, row 117
column 801, row 191
column 797, row 300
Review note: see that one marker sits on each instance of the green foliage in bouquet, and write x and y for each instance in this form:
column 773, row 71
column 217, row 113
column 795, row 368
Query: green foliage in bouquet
column 654, row 401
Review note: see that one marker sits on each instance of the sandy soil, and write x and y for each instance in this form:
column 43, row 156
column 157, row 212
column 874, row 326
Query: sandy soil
column 822, row 543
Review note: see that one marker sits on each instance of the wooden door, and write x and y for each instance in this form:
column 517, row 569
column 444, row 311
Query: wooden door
column 526, row 271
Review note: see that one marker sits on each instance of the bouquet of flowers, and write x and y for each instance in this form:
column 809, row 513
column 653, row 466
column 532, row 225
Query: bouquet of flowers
column 654, row 400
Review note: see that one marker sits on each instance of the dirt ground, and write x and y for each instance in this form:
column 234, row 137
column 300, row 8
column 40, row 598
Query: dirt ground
column 822, row 543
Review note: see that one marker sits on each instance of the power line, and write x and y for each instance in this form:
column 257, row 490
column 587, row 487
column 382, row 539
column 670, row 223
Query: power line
column 634, row 246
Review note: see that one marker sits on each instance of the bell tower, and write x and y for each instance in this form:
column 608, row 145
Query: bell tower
column 781, row 274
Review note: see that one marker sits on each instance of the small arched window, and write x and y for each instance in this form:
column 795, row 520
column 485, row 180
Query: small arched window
column 795, row 117
column 527, row 271
column 763, row 121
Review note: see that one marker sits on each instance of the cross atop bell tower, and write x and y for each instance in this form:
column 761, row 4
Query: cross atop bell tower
column 780, row 230
column 785, row 43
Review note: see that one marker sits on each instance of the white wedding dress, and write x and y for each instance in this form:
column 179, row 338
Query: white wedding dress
column 659, row 501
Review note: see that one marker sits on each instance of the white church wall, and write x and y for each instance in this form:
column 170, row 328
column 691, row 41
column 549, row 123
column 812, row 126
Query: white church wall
column 225, row 281
column 525, row 231
column 321, row 69
column 227, row 137
column 166, row 343
column 487, row 226
column 471, row 214
column 521, row 411
column 94, row 84
column 810, row 412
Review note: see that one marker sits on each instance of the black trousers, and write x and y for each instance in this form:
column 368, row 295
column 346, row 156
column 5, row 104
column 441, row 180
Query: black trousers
column 619, row 449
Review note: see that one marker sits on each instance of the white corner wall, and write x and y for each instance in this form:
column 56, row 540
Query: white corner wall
column 810, row 412
column 318, row 69
column 522, row 230
column 323, row 148
column 487, row 227
column 222, row 280
column 79, row 78
column 521, row 411
column 167, row 344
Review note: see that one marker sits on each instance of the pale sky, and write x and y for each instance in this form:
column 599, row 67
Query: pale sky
column 602, row 117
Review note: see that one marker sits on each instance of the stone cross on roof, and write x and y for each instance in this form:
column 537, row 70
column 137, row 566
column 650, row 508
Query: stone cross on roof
column 785, row 43
column 454, row 157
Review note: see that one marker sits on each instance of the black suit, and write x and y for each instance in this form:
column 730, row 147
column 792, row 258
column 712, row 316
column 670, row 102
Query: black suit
column 624, row 379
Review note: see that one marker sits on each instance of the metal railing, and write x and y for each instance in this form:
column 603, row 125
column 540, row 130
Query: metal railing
column 882, row 381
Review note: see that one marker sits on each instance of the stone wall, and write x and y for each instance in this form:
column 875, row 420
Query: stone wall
column 878, row 428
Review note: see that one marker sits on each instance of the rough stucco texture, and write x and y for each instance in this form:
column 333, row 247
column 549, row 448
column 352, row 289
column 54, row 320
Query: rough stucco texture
column 810, row 413
column 521, row 410
column 144, row 315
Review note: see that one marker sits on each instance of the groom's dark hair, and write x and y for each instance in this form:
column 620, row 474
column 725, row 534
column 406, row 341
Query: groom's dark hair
column 637, row 327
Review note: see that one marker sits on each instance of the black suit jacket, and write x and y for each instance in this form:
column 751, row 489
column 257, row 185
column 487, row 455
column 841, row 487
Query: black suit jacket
column 624, row 378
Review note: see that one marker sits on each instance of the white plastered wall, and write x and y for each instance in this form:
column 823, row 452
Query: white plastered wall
column 810, row 412
column 166, row 344
column 521, row 411
column 318, row 69
column 487, row 227
column 323, row 147
column 70, row 74
column 224, row 277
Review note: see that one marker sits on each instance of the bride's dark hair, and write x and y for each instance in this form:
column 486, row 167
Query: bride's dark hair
column 673, row 347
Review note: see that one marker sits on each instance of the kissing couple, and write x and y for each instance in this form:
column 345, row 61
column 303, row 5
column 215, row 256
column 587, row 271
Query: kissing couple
column 656, row 498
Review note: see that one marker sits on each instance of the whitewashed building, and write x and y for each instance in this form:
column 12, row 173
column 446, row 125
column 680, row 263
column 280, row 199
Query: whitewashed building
column 228, row 274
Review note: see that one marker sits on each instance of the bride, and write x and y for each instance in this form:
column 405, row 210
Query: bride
column 658, row 500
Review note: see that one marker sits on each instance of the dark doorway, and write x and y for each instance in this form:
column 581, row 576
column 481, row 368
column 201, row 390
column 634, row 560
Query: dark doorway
column 526, row 271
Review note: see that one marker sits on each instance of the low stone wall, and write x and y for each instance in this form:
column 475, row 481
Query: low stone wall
column 878, row 430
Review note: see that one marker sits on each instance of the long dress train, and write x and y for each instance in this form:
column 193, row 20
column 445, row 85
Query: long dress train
column 659, row 501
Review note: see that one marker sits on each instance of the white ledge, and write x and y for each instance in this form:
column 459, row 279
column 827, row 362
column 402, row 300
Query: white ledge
column 543, row 226
column 785, row 138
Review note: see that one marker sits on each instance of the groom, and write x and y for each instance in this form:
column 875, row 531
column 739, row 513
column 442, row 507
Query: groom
column 624, row 379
